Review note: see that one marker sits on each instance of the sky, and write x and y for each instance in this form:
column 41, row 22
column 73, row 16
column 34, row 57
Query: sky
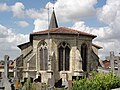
column 19, row 18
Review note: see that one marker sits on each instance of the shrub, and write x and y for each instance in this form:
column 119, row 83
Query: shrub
column 97, row 81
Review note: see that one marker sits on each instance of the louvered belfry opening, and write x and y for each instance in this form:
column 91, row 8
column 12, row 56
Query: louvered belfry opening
column 43, row 55
column 64, row 56
column 84, row 56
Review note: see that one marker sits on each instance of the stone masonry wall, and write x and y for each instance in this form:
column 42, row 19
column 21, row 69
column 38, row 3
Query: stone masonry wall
column 74, row 42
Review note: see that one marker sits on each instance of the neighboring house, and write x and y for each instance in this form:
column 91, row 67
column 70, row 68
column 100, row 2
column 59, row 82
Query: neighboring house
column 11, row 68
column 106, row 64
column 112, row 63
column 58, row 53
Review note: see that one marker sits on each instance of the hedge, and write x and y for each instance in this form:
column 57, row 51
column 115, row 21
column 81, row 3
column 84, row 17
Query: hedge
column 97, row 81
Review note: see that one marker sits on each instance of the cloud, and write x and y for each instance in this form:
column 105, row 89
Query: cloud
column 101, row 32
column 70, row 10
column 9, row 41
column 18, row 10
column 4, row 7
column 3, row 32
column 23, row 24
column 67, row 10
column 112, row 45
column 37, row 14
column 110, row 14
column 40, row 25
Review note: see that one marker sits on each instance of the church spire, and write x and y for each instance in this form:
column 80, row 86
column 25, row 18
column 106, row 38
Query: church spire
column 53, row 21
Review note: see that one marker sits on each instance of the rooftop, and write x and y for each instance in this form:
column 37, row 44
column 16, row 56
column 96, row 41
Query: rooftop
column 99, row 47
column 62, row 30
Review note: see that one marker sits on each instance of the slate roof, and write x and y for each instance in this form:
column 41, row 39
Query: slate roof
column 24, row 45
column 53, row 21
column 99, row 47
column 62, row 30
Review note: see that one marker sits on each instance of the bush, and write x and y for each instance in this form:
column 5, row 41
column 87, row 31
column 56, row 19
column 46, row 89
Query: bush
column 97, row 81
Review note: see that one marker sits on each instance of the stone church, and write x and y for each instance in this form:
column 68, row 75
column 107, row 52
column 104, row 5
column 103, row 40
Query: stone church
column 58, row 53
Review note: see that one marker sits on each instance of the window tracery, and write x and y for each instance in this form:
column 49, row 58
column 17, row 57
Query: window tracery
column 64, row 56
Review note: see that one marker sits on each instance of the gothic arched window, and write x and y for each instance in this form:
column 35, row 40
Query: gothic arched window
column 64, row 56
column 84, row 56
column 43, row 55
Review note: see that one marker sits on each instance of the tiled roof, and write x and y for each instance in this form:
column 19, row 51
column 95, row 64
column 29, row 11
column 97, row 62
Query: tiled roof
column 62, row 30
column 106, row 64
column 11, row 63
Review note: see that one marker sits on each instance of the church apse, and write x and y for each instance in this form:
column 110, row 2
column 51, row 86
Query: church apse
column 60, row 55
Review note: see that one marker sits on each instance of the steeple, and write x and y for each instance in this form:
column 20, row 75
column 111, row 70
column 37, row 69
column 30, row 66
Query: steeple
column 53, row 21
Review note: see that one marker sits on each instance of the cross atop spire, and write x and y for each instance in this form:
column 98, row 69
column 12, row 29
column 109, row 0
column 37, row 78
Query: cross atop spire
column 53, row 21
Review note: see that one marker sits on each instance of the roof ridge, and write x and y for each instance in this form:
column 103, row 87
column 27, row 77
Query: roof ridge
column 77, row 30
column 63, row 30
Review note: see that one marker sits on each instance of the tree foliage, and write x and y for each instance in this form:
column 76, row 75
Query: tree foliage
column 97, row 81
